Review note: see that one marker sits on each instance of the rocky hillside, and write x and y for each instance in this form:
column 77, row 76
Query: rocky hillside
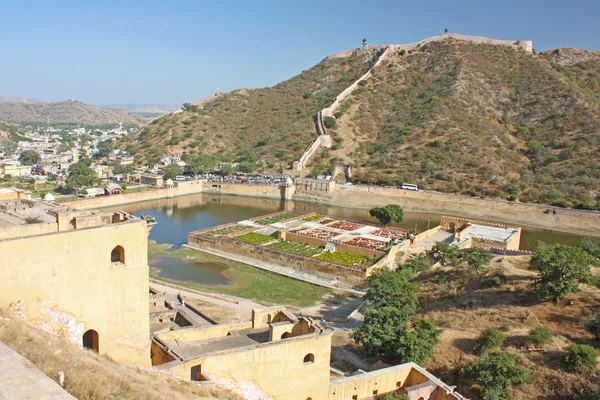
column 451, row 116
column 478, row 119
column 272, row 124
column 10, row 135
column 64, row 112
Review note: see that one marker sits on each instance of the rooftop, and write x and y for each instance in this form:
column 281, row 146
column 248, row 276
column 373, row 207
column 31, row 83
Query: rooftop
column 491, row 233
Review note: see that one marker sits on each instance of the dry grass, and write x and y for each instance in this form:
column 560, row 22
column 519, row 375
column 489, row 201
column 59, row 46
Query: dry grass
column 90, row 377
column 467, row 307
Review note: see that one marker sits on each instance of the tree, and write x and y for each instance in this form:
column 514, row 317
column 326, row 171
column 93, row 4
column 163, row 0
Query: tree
column 496, row 373
column 79, row 175
column 581, row 358
column 171, row 171
column 390, row 304
column 490, row 339
column 105, row 148
column 561, row 269
column 388, row 214
column 247, row 166
column 418, row 344
column 416, row 263
column 29, row 157
column 329, row 122
column 591, row 245
column 33, row 220
column 444, row 253
column 477, row 258
column 202, row 163
column 593, row 325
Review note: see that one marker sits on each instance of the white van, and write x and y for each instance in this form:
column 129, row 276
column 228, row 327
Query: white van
column 409, row 186
column 180, row 178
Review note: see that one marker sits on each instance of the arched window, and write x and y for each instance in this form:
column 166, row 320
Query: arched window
column 309, row 358
column 285, row 335
column 117, row 255
column 90, row 340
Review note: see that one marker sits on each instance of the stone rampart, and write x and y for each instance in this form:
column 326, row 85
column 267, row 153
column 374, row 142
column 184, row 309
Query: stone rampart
column 27, row 230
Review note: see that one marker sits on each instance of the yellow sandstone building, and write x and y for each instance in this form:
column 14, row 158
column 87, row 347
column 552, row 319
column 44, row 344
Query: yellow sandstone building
column 84, row 277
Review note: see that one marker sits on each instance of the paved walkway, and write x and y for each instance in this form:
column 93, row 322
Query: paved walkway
column 243, row 307
column 21, row 380
column 277, row 269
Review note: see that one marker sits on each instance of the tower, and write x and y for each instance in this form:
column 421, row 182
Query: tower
column 218, row 92
column 364, row 43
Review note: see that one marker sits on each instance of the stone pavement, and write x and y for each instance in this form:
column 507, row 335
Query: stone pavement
column 21, row 380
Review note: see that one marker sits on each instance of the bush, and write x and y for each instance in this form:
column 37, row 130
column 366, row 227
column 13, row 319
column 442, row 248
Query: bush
column 308, row 95
column 402, row 52
column 581, row 358
column 490, row 339
column 329, row 122
column 593, row 325
column 33, row 220
column 540, row 335
column 495, row 375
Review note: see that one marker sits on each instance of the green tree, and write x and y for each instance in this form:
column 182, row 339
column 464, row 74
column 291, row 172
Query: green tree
column 496, row 373
column 33, row 220
column 591, row 245
column 561, row 269
column 329, row 122
column 581, row 358
column 540, row 335
column 247, row 166
column 390, row 304
column 171, row 171
column 79, row 175
column 388, row 214
column 593, row 325
column 105, row 148
column 477, row 258
column 418, row 344
column 444, row 253
column 416, row 263
column 490, row 339
column 29, row 157
column 202, row 163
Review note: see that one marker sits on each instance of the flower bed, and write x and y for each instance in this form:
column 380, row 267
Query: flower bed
column 225, row 231
column 319, row 233
column 296, row 248
column 387, row 233
column 275, row 218
column 254, row 238
column 342, row 258
column 313, row 218
column 366, row 243
column 346, row 226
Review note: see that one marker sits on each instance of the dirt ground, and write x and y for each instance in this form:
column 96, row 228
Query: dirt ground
column 465, row 306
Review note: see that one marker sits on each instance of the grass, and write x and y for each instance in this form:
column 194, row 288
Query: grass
column 244, row 280
column 342, row 258
column 224, row 231
column 276, row 218
column 89, row 376
column 296, row 248
column 313, row 218
column 254, row 238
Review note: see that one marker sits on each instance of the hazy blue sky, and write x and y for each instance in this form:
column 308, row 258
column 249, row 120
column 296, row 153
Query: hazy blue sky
column 175, row 51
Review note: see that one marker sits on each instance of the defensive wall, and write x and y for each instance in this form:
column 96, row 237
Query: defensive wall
column 323, row 139
column 526, row 45
column 94, row 291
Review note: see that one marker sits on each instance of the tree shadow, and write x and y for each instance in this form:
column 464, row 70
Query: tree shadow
column 466, row 346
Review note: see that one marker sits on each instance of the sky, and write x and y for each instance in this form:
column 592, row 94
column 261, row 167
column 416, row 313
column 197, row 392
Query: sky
column 170, row 52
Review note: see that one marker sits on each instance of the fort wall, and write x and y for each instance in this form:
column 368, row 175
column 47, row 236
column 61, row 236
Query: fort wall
column 79, row 288
column 275, row 367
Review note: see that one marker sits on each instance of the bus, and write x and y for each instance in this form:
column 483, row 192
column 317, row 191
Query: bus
column 409, row 186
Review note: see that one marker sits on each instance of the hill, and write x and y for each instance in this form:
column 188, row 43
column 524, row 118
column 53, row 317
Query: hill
column 462, row 116
column 10, row 135
column 273, row 124
column 73, row 112
column 17, row 99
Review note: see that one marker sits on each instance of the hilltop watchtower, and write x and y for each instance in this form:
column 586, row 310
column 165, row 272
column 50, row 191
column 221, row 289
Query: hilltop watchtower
column 364, row 43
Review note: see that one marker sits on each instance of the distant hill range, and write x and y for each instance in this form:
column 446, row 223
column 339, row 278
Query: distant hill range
column 17, row 99
column 144, row 107
column 70, row 111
